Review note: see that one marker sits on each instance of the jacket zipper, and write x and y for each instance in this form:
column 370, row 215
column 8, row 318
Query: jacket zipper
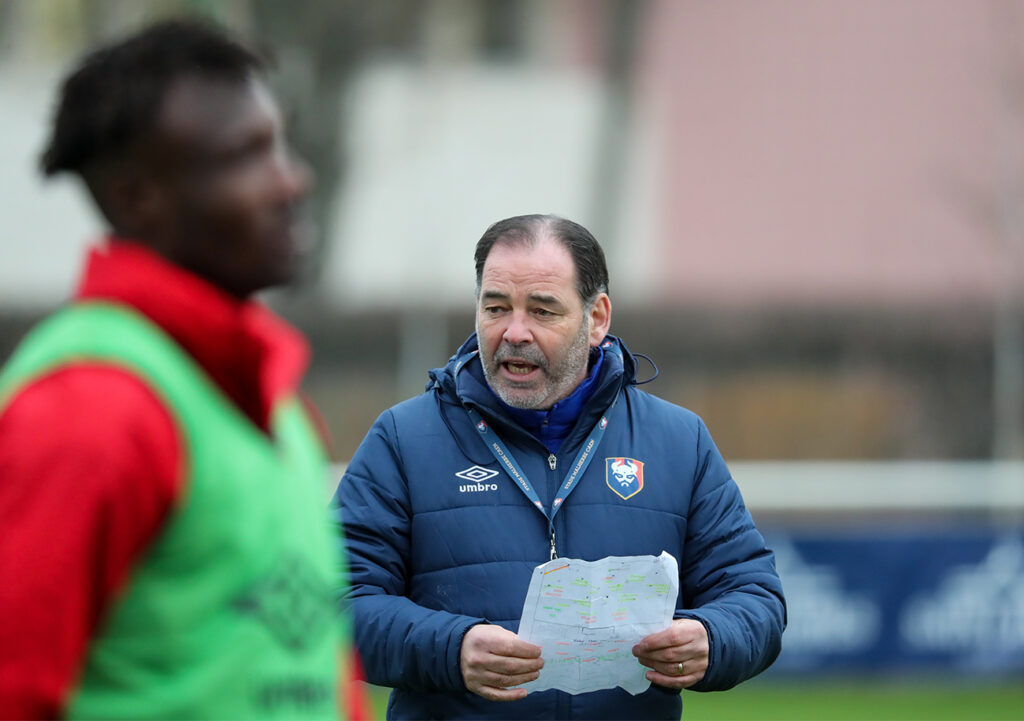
column 553, row 463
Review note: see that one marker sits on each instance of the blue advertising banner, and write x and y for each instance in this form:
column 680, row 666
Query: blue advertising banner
column 873, row 600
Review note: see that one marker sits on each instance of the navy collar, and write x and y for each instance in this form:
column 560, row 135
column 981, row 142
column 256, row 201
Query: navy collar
column 551, row 426
column 461, row 381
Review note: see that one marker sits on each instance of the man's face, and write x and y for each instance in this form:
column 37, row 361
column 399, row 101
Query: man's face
column 229, row 190
column 534, row 333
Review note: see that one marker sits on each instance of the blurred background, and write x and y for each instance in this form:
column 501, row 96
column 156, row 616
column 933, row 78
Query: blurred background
column 813, row 213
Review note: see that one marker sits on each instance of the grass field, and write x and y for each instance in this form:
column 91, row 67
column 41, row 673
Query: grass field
column 846, row 700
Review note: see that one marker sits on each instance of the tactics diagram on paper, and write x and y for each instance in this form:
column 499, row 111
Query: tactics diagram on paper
column 588, row 615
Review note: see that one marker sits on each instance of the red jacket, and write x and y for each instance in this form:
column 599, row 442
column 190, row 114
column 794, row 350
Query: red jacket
column 91, row 464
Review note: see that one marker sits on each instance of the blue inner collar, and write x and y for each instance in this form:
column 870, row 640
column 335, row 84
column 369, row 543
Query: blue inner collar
column 552, row 426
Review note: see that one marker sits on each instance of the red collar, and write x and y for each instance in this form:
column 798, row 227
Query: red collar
column 253, row 355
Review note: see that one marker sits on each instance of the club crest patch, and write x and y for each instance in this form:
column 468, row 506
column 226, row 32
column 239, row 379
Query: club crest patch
column 625, row 476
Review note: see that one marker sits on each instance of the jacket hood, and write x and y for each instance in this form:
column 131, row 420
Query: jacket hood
column 460, row 384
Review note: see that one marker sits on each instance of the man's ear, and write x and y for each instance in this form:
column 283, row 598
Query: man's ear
column 600, row 318
column 138, row 201
column 130, row 198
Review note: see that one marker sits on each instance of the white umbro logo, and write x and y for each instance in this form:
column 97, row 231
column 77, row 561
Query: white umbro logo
column 476, row 474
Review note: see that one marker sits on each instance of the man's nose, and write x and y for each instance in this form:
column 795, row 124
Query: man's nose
column 295, row 174
column 299, row 176
column 518, row 329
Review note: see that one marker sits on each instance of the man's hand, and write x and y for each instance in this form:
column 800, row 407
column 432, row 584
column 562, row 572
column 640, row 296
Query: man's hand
column 678, row 655
column 493, row 659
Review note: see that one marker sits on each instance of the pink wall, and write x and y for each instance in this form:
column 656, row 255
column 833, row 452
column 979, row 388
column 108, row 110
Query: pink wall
column 820, row 152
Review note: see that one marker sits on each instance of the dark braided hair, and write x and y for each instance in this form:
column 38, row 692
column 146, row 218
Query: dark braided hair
column 112, row 97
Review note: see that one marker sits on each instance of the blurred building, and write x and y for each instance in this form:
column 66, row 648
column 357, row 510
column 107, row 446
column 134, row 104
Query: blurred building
column 811, row 210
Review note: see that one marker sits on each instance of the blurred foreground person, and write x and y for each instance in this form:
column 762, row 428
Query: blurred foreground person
column 164, row 551
column 534, row 443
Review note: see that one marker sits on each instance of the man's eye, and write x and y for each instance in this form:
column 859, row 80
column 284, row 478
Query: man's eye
column 249, row 151
column 543, row 312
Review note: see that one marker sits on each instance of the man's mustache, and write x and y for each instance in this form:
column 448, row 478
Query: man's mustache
column 512, row 351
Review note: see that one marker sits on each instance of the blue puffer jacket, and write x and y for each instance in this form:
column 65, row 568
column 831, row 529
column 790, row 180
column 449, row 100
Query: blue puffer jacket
column 431, row 552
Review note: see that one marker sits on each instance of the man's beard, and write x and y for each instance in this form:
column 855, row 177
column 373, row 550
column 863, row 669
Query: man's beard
column 558, row 382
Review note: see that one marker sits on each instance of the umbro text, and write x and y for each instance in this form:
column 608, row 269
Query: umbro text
column 474, row 487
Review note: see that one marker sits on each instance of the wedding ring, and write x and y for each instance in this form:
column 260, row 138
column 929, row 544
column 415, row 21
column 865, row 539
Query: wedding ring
column 679, row 668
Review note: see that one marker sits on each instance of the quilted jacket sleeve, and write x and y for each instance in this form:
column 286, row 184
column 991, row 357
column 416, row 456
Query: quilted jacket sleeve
column 728, row 577
column 401, row 643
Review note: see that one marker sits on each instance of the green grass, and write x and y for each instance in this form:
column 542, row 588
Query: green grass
column 860, row 700
column 845, row 700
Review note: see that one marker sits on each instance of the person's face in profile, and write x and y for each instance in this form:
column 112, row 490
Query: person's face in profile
column 231, row 189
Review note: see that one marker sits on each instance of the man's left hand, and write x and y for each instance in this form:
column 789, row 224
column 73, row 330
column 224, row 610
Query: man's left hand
column 678, row 656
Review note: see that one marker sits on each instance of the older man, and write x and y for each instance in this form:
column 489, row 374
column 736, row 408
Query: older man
column 534, row 442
